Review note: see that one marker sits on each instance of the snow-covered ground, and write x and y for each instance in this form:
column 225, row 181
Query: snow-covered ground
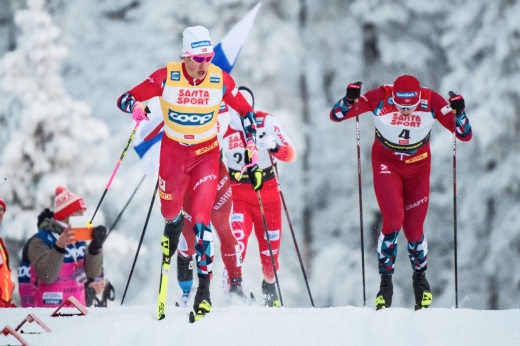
column 256, row 325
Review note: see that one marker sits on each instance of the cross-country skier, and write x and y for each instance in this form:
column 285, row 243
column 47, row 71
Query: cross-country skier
column 190, row 93
column 404, row 114
column 272, row 141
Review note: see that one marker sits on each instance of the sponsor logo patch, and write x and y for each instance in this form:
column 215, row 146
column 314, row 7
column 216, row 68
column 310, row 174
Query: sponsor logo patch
column 418, row 203
column 237, row 217
column 267, row 253
column 189, row 119
column 214, row 78
column 417, row 158
column 165, row 196
column 206, row 148
column 384, row 169
column 273, row 235
column 175, row 75
column 52, row 298
column 406, row 94
column 162, row 184
column 198, row 44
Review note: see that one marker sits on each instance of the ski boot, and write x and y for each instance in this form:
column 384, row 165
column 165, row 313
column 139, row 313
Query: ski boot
column 235, row 288
column 236, row 291
column 386, row 290
column 421, row 290
column 185, row 279
column 270, row 296
column 202, row 304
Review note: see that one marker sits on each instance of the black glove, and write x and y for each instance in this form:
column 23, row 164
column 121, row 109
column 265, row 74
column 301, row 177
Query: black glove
column 456, row 103
column 353, row 91
column 99, row 235
column 256, row 175
column 46, row 214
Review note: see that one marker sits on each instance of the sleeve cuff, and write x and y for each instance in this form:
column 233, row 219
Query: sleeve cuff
column 275, row 149
column 59, row 249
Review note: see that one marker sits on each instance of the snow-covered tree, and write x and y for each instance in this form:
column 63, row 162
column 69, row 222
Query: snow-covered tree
column 47, row 138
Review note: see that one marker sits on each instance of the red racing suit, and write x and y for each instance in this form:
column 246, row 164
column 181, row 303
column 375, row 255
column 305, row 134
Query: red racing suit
column 246, row 210
column 189, row 158
column 401, row 163
column 230, row 249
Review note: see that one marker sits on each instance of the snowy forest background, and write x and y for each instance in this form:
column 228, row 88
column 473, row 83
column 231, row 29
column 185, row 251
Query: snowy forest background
column 63, row 64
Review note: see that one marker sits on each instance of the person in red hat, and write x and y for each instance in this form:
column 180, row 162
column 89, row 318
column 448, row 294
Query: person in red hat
column 6, row 284
column 404, row 113
column 55, row 264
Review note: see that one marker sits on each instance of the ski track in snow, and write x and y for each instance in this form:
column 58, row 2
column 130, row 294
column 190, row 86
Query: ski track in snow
column 256, row 325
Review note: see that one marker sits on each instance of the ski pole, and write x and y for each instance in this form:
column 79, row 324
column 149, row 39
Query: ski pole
column 126, row 205
column 115, row 170
column 269, row 245
column 360, row 202
column 275, row 166
column 140, row 241
column 452, row 94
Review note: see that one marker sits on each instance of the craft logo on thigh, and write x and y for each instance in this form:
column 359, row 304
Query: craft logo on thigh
column 203, row 180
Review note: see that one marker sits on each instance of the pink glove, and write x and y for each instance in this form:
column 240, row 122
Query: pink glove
column 139, row 112
column 252, row 155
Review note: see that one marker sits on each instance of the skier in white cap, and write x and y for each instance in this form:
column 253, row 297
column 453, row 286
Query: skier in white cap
column 190, row 93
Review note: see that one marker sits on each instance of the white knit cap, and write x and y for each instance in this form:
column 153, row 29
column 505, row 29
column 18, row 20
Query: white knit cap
column 196, row 40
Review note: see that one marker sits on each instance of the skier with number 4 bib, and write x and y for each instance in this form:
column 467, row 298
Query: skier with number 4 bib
column 404, row 114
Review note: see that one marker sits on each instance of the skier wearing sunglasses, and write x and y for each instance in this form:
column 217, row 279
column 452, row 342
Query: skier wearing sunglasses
column 191, row 92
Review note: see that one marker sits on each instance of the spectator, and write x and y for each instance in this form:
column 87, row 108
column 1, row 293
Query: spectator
column 56, row 262
column 6, row 284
